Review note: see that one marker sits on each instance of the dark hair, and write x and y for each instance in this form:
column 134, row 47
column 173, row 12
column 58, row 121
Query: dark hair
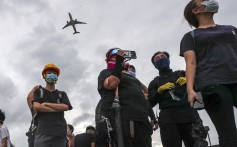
column 159, row 52
column 2, row 116
column 70, row 127
column 188, row 14
column 90, row 128
column 131, row 66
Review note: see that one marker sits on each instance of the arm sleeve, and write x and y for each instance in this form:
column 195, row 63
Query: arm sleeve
column 103, row 75
column 92, row 138
column 151, row 112
column 65, row 100
column 4, row 132
column 187, row 43
column 37, row 96
column 153, row 96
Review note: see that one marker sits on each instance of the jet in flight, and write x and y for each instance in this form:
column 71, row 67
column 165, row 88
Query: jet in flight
column 73, row 23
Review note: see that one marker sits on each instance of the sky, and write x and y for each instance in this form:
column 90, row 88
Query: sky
column 31, row 36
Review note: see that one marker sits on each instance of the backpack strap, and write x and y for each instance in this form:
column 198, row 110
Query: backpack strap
column 41, row 91
column 192, row 34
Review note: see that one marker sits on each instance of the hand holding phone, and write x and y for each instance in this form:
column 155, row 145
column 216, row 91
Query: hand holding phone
column 198, row 105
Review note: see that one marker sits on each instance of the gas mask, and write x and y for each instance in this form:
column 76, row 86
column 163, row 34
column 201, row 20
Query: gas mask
column 51, row 78
column 211, row 6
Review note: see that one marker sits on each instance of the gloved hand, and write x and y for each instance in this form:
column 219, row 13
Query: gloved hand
column 181, row 81
column 164, row 87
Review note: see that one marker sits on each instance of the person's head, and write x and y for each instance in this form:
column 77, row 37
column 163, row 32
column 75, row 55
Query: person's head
column 161, row 60
column 199, row 7
column 111, row 57
column 2, row 117
column 50, row 73
column 90, row 129
column 132, row 70
column 70, row 129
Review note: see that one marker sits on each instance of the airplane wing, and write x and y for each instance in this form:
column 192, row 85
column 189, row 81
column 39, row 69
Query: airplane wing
column 78, row 22
column 68, row 24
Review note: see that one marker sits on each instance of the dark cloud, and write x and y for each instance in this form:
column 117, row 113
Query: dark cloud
column 7, row 88
column 82, row 118
column 44, row 45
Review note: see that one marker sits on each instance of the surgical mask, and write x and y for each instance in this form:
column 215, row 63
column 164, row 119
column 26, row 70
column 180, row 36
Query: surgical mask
column 51, row 78
column 211, row 6
column 162, row 63
column 132, row 73
column 111, row 65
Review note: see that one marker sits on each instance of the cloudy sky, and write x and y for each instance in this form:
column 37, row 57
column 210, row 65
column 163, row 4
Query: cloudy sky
column 31, row 36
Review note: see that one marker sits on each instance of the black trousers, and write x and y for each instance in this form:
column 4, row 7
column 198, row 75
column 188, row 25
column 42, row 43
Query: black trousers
column 142, row 134
column 172, row 134
column 219, row 101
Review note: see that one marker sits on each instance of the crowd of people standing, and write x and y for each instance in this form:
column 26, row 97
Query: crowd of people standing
column 210, row 54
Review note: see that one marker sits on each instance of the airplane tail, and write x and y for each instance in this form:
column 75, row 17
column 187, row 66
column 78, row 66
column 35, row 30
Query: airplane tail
column 75, row 33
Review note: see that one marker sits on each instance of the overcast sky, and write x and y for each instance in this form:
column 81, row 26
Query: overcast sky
column 31, row 36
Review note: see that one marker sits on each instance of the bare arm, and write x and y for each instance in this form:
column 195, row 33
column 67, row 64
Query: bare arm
column 30, row 96
column 144, row 89
column 111, row 82
column 190, row 59
column 93, row 144
column 41, row 108
column 4, row 142
column 58, row 107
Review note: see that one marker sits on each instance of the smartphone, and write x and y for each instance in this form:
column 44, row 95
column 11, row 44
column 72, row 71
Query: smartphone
column 198, row 105
column 130, row 54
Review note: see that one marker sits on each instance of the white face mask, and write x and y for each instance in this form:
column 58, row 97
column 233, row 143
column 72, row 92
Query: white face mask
column 211, row 6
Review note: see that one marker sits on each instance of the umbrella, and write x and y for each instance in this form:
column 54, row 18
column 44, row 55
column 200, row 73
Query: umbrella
column 118, row 124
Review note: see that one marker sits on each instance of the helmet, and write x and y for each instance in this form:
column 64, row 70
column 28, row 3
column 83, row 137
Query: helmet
column 52, row 67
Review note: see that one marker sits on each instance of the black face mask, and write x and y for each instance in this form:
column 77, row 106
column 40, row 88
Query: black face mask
column 162, row 63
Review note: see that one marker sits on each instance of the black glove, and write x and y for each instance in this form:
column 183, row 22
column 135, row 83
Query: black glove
column 119, row 66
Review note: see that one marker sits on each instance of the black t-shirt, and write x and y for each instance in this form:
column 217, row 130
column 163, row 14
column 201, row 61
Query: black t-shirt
column 216, row 54
column 52, row 123
column 165, row 100
column 172, row 111
column 84, row 140
column 132, row 99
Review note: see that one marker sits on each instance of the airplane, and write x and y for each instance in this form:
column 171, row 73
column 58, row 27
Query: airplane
column 73, row 23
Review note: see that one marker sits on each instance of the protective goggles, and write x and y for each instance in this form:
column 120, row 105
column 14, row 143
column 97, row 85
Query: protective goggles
column 112, row 53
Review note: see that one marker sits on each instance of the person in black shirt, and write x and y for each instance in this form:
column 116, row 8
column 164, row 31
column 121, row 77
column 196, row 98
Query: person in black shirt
column 169, row 90
column 86, row 139
column 210, row 53
column 134, row 109
column 131, row 70
column 50, row 104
